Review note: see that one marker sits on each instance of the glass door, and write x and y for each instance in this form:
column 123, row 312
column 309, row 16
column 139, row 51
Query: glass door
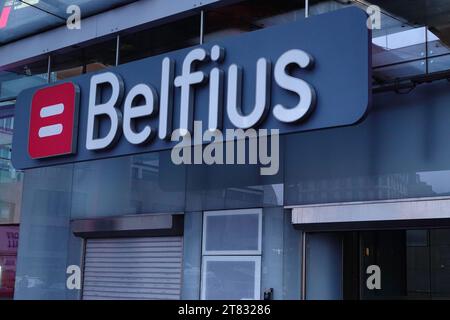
column 413, row 264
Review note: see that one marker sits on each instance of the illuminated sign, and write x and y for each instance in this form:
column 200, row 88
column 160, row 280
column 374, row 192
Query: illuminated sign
column 53, row 121
column 311, row 74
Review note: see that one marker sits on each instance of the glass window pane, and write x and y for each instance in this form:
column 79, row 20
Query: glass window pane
column 14, row 80
column 121, row 185
column 440, row 263
column 418, row 271
column 401, row 70
column 250, row 15
column 232, row 232
column 9, row 238
column 73, row 63
column 179, row 34
column 440, row 63
column 417, row 238
column 25, row 18
column 231, row 278
column 10, row 179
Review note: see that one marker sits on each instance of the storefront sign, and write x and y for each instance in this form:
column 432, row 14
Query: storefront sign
column 311, row 74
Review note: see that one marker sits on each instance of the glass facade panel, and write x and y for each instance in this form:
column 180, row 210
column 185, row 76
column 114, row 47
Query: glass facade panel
column 228, row 278
column 157, row 40
column 213, row 188
column 403, row 70
column 398, row 151
column 128, row 185
column 439, row 63
column 83, row 60
column 228, row 238
column 43, row 253
column 25, row 18
column 10, row 180
column 14, row 80
column 408, row 40
column 250, row 15
column 228, row 232
column 9, row 237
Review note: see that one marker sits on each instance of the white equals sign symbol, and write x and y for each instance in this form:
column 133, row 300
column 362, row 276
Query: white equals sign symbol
column 54, row 129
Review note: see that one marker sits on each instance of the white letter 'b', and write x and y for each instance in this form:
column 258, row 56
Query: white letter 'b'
column 108, row 109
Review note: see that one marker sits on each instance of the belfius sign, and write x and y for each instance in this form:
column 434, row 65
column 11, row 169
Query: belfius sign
column 307, row 75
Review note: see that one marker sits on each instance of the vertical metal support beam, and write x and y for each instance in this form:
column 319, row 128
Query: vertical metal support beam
column 118, row 50
column 426, row 51
column 202, row 24
column 49, row 68
column 306, row 8
column 303, row 270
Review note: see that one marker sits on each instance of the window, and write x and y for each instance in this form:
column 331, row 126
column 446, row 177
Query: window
column 231, row 277
column 81, row 60
column 175, row 35
column 231, row 266
column 33, row 16
column 10, row 179
column 9, row 239
column 232, row 232
column 14, row 80
column 250, row 15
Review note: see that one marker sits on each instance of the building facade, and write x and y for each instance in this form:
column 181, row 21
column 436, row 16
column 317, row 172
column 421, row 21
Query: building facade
column 139, row 226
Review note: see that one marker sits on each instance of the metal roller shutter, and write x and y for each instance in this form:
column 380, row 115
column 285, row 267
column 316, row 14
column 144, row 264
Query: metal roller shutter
column 133, row 268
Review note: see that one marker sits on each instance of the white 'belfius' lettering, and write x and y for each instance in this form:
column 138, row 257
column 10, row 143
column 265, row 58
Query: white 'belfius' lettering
column 130, row 113
column 133, row 110
column 262, row 95
column 109, row 109
column 304, row 90
column 185, row 81
column 166, row 106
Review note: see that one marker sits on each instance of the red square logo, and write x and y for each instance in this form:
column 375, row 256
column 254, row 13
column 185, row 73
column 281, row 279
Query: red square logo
column 54, row 121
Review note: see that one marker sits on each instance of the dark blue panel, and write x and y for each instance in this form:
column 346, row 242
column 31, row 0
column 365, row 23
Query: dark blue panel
column 401, row 150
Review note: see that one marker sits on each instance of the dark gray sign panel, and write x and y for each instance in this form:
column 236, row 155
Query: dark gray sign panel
column 307, row 75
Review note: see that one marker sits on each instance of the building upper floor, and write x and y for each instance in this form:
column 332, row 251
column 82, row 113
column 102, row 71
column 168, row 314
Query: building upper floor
column 42, row 41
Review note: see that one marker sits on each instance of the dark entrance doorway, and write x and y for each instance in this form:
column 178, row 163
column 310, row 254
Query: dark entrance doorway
column 414, row 264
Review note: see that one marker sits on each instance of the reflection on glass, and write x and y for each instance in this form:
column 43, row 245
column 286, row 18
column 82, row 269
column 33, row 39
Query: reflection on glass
column 65, row 65
column 25, row 18
column 369, row 188
column 230, row 279
column 401, row 70
column 439, row 63
column 14, row 80
column 9, row 238
column 427, row 263
column 157, row 40
column 250, row 15
column 232, row 232
column 10, row 180
column 128, row 185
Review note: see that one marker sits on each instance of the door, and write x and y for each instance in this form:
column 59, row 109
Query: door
column 133, row 268
column 387, row 250
column 324, row 266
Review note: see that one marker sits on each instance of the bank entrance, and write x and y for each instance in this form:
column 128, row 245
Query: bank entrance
column 413, row 263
